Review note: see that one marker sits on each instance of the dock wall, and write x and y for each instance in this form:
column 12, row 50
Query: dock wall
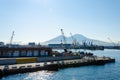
column 50, row 65
column 7, row 61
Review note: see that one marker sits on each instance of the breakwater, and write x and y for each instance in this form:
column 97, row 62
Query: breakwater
column 53, row 65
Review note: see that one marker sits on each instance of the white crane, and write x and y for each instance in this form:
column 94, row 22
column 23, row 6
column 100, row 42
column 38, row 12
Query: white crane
column 11, row 39
column 64, row 38
column 111, row 41
column 73, row 39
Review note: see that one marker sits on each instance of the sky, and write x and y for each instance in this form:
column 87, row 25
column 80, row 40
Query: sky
column 41, row 20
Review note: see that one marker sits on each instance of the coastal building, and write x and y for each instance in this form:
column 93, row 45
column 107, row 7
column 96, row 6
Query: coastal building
column 1, row 43
column 25, row 52
column 60, row 45
column 31, row 43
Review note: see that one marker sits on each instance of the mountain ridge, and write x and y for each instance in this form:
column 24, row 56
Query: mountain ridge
column 79, row 38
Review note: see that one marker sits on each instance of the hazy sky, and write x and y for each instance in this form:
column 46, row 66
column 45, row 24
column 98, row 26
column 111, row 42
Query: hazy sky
column 41, row 20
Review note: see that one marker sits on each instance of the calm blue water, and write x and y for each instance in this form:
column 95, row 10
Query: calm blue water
column 109, row 71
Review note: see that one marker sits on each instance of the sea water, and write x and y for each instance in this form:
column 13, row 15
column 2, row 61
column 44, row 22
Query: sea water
column 109, row 71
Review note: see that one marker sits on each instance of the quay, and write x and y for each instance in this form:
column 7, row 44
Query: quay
column 30, row 59
column 53, row 65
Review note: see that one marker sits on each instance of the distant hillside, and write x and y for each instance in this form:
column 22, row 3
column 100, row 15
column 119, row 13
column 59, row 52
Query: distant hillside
column 80, row 38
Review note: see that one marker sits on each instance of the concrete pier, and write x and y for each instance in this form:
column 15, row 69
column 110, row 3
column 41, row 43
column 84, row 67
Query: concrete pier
column 52, row 65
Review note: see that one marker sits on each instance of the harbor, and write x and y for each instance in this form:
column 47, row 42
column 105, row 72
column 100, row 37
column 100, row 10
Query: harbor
column 51, row 66
column 59, row 40
column 62, row 74
column 17, row 59
column 11, row 62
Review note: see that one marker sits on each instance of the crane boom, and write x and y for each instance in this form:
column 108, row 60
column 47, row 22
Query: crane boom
column 111, row 41
column 11, row 39
column 118, row 44
column 63, row 36
column 73, row 39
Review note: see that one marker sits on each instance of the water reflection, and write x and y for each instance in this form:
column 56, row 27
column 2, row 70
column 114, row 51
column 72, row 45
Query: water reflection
column 40, row 75
column 109, row 71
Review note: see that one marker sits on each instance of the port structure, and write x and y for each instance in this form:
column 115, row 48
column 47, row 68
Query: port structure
column 11, row 39
column 111, row 41
column 64, row 38
column 73, row 39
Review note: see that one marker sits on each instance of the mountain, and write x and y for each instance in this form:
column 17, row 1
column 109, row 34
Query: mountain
column 79, row 38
